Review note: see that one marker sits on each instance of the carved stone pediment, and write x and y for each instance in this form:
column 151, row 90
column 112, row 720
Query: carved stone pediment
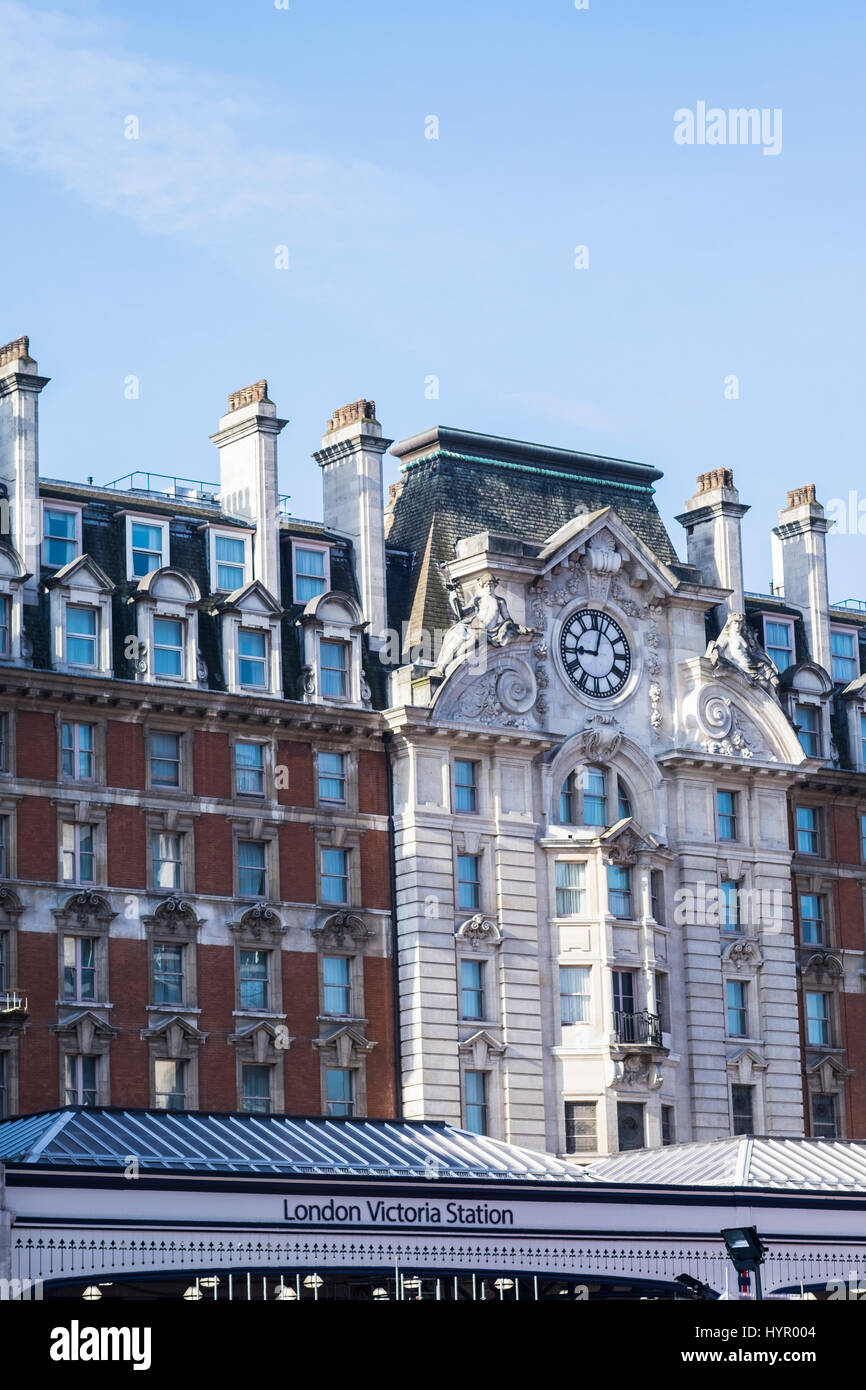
column 259, row 923
column 743, row 955
column 11, row 906
column 479, row 931
column 262, row 1041
column 340, row 929
column 89, row 1032
column 744, row 1064
column 823, row 965
column 726, row 730
column 85, row 911
column 827, row 1074
column 346, row 1045
column 174, row 917
column 626, row 840
column 176, row 1034
column 481, row 1047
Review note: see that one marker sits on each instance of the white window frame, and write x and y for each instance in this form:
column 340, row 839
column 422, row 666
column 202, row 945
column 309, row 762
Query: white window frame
column 75, row 592
column 180, row 876
column 245, row 686
column 72, row 509
column 782, row 621
column 76, row 775
column 96, row 638
column 231, row 534
column 76, row 827
column 854, row 633
column 323, row 549
column 266, row 769
column 145, row 519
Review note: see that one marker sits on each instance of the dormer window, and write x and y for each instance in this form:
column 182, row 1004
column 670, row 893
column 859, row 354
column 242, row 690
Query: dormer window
column 252, row 658
column 806, row 719
column 168, row 647
column 779, row 641
column 334, row 657
column 61, row 535
column 312, row 570
column 333, row 660
column 167, row 619
column 844, row 656
column 82, row 636
column 229, row 560
column 146, row 545
column 80, row 617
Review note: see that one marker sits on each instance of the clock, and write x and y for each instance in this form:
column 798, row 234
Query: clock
column 595, row 653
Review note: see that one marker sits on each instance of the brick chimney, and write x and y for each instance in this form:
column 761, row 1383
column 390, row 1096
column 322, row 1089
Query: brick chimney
column 351, row 462
column 20, row 385
column 247, row 441
column 800, row 566
column 712, row 522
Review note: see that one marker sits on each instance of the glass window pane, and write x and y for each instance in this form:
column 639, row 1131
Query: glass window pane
column 332, row 783
column 252, row 869
column 250, row 769
column 338, row 1091
column 335, row 876
column 574, row 993
column 570, row 882
column 336, row 982
column 254, row 979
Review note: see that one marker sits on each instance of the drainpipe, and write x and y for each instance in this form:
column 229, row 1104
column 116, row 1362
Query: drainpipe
column 395, row 980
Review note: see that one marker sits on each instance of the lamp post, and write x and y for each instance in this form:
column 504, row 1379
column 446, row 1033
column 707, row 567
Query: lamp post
column 746, row 1251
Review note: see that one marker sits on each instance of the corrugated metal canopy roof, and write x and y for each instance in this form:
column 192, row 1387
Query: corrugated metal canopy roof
column 232, row 1143
column 810, row 1165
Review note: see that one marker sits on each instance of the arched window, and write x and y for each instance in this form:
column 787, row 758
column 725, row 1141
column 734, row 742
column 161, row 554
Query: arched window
column 588, row 793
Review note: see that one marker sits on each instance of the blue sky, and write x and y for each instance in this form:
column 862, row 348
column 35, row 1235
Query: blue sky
column 411, row 258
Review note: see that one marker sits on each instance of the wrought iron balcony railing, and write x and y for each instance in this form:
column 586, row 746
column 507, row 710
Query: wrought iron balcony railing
column 642, row 1027
column 12, row 1001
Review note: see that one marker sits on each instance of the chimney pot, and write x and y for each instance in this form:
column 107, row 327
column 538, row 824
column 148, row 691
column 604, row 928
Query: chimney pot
column 248, row 395
column 716, row 477
column 349, row 414
column 801, row 496
column 10, row 352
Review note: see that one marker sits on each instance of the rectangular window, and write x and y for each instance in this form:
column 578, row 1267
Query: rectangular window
column 468, row 882
column 252, row 658
column 335, row 876
column 4, row 1097
column 475, row 1101
column 726, row 810
column 4, row 958
column 663, row 1005
column 168, row 980
column 735, row 996
column 255, row 979
column 812, row 918
column 332, row 777
column 252, row 869
column 4, row 743
column 863, row 837
column 334, row 672
column 570, row 879
column 5, row 625
column 863, row 739
column 779, row 642
column 669, row 1128
column 309, row 574
column 817, row 1019
column 806, row 719
column 594, row 797
column 60, row 537
column 824, row 1122
column 81, row 636
column 630, row 1125
column 619, row 890
column 169, row 1078
column 249, row 769
column 567, row 798
column 465, row 785
column 339, row 1091
column 256, row 1090
column 81, row 1080
column 79, row 967
column 581, row 1127
column 76, row 747
column 574, row 993
column 808, row 839
column 843, row 655
column 230, row 553
column 337, row 985
column 730, row 904
column 4, row 846
column 657, row 896
column 623, row 993
column 167, row 857
column 742, row 1109
column 78, row 856
column 169, row 638
column 146, row 546
column 472, row 989
column 164, row 760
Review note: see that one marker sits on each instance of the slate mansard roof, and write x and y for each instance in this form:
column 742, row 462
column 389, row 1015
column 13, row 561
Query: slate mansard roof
column 456, row 483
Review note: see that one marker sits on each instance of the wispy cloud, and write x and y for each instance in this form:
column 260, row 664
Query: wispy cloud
column 201, row 168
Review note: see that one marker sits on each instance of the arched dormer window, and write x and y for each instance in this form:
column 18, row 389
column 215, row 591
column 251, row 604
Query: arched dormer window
column 332, row 625
column 12, row 579
column 589, row 796
column 167, row 622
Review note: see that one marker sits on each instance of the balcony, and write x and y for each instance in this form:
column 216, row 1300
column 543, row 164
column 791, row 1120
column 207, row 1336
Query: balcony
column 12, row 1001
column 641, row 1028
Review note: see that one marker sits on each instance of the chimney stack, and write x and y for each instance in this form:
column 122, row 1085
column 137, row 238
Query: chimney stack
column 712, row 521
column 351, row 462
column 800, row 566
column 247, row 441
column 20, row 385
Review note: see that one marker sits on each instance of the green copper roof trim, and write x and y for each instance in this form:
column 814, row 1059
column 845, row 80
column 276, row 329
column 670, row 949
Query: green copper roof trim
column 526, row 468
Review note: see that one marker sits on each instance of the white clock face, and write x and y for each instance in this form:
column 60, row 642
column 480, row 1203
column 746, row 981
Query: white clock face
column 595, row 653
